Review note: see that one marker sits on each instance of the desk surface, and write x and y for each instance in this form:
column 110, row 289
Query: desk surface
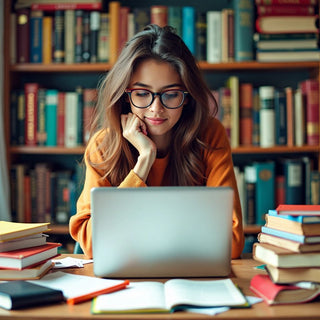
column 243, row 270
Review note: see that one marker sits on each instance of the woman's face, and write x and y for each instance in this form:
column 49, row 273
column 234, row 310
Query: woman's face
column 157, row 77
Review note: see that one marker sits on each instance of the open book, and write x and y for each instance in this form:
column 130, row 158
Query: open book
column 173, row 295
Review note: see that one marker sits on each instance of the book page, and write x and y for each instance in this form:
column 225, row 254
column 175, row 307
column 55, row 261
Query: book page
column 138, row 296
column 203, row 293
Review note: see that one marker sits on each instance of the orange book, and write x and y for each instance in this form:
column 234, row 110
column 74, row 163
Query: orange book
column 123, row 27
column 290, row 117
column 114, row 14
column 47, row 39
column 246, row 121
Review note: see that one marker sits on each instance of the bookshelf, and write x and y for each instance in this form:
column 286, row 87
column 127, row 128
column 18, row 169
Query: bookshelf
column 260, row 73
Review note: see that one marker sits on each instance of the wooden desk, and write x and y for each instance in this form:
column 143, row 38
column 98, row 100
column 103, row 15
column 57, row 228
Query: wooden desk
column 243, row 270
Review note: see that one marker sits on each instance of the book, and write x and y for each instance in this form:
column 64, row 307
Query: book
column 79, row 288
column 273, row 293
column 288, row 244
column 233, row 84
column 284, row 258
column 227, row 33
column 299, row 210
column 293, row 275
column 243, row 29
column 297, row 218
column 250, row 178
column 59, row 34
column 201, row 36
column 36, row 18
column 288, row 55
column 267, row 116
column 21, row 294
column 32, row 273
column 61, row 119
column 13, row 230
column 280, row 110
column 66, row 6
column 245, row 104
column 286, row 24
column 286, row 2
column 27, row 257
column 94, row 35
column 290, row 116
column 159, row 15
column 51, row 112
column 71, row 118
column 279, row 223
column 285, row 10
column 188, row 27
column 89, row 102
column 23, row 242
column 175, row 18
column 214, row 41
column 173, row 295
column 47, row 41
column 78, row 36
column 290, row 235
column 41, row 117
column 225, row 109
column 299, row 118
column 256, row 118
column 69, row 37
column 23, row 36
column 86, row 37
column 114, row 14
column 103, row 38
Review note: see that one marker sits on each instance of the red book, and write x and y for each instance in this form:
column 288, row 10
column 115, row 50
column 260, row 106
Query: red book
column 23, row 36
column 27, row 257
column 159, row 15
column 285, row 10
column 310, row 93
column 246, row 105
column 286, row 2
column 299, row 209
column 61, row 119
column 273, row 293
column 290, row 116
column 31, row 108
column 66, row 6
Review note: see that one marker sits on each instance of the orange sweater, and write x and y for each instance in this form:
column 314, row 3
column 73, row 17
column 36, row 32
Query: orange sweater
column 219, row 172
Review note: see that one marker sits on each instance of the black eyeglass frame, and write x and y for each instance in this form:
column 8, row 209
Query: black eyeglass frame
column 129, row 91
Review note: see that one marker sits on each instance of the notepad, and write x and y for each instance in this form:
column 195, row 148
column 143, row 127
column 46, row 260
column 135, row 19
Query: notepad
column 173, row 295
column 79, row 288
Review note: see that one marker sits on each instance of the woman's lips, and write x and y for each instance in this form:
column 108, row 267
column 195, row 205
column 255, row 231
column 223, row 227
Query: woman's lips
column 156, row 121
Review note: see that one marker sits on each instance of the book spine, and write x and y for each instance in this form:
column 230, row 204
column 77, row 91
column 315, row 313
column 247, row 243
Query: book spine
column 287, row 2
column 41, row 187
column 230, row 35
column 51, row 117
column 79, row 92
column 59, row 30
column 280, row 192
column 246, row 103
column 225, row 109
column 114, row 15
column 86, row 37
column 175, row 18
column 280, row 108
column 256, row 118
column 94, row 35
column 14, row 117
column 66, row 6
column 214, row 41
column 61, row 119
column 31, row 101
column 188, row 28
column 299, row 119
column 78, row 36
column 233, row 84
column 36, row 18
column 250, row 178
column 104, row 37
column 23, row 36
column 89, row 102
column 123, row 27
column 47, row 44
column 21, row 117
column 201, row 36
column 265, row 185
column 69, row 38
column 315, row 187
column 71, row 118
column 285, row 10
column 159, row 15
column 290, row 116
column 41, row 127
column 13, row 38
column 310, row 90
column 243, row 29
column 62, row 213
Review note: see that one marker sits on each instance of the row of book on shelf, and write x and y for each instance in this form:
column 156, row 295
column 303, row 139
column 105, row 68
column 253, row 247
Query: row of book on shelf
column 48, row 117
column 44, row 193
column 269, row 116
column 266, row 184
column 65, row 33
column 289, row 247
column 264, row 116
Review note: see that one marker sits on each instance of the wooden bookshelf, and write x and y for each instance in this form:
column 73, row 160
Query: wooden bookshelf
column 13, row 72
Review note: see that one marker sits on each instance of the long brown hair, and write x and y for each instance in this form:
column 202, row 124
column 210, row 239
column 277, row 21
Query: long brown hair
column 119, row 157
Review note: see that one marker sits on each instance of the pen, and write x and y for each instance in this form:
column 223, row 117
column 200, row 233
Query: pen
column 91, row 295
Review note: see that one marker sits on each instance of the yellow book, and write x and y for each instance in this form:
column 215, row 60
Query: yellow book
column 114, row 12
column 14, row 230
column 47, row 26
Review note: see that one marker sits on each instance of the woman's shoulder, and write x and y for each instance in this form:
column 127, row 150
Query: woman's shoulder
column 215, row 133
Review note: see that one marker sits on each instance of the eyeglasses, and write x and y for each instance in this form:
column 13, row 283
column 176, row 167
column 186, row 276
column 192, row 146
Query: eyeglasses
column 143, row 98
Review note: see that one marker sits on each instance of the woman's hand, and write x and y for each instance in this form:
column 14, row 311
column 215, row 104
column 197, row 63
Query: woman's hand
column 135, row 131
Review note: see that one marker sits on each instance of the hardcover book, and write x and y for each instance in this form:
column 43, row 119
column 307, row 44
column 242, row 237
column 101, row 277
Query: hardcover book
column 188, row 28
column 36, row 18
column 246, row 105
column 299, row 209
column 297, row 218
column 51, row 117
column 23, row 36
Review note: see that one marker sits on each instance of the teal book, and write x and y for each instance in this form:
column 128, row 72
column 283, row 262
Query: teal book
column 175, row 18
column 243, row 29
column 300, row 219
column 265, row 189
column 51, row 117
column 189, row 28
column 290, row 236
column 36, row 17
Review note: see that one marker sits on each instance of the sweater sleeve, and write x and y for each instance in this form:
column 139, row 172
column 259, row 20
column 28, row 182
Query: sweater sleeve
column 220, row 172
column 80, row 223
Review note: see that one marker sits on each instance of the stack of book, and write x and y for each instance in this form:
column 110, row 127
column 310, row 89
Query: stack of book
column 289, row 245
column 24, row 251
column 286, row 31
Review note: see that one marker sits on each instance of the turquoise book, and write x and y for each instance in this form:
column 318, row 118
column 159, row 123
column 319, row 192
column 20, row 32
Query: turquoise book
column 265, row 189
column 51, row 117
column 189, row 28
column 300, row 219
column 243, row 29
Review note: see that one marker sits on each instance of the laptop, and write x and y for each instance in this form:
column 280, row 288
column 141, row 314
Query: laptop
column 162, row 231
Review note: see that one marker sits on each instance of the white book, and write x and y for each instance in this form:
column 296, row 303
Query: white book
column 214, row 41
column 233, row 84
column 299, row 118
column 69, row 35
column 71, row 119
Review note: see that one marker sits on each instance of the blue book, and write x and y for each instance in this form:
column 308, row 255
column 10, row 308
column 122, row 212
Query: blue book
column 243, row 29
column 36, row 36
column 189, row 28
column 51, row 117
column 265, row 189
column 290, row 236
column 300, row 219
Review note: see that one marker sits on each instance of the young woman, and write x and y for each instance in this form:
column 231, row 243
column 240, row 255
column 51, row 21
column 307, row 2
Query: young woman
column 154, row 128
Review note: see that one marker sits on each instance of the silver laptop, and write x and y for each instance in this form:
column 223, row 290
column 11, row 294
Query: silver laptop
column 161, row 231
